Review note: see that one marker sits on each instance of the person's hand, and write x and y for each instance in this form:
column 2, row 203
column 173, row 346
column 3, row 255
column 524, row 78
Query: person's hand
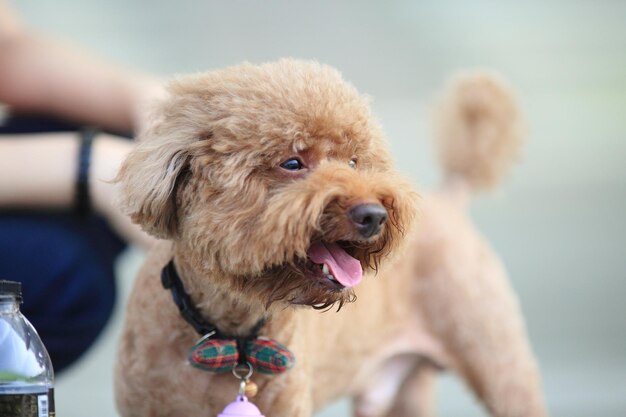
column 144, row 94
column 108, row 152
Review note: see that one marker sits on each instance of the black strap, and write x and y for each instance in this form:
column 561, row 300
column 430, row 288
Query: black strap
column 83, row 201
column 171, row 281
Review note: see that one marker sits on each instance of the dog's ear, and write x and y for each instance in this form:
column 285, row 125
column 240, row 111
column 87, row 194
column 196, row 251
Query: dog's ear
column 149, row 176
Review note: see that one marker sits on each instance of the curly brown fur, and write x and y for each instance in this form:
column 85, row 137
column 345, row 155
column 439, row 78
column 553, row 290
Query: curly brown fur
column 208, row 176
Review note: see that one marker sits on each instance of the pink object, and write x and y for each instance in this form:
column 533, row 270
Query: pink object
column 241, row 407
column 346, row 269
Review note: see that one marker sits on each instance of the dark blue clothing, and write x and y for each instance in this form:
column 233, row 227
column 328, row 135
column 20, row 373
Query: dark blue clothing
column 65, row 264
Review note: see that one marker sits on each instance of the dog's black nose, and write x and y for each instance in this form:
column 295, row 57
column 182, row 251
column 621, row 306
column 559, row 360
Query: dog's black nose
column 368, row 218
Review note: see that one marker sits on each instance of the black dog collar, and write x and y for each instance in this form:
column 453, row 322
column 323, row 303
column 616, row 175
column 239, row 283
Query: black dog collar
column 171, row 281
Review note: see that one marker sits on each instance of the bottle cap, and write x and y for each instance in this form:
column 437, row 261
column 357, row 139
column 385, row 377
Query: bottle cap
column 11, row 288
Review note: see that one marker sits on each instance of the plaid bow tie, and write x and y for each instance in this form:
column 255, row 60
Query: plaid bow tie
column 221, row 355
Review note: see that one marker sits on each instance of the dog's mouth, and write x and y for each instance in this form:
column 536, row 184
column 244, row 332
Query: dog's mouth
column 325, row 277
column 334, row 266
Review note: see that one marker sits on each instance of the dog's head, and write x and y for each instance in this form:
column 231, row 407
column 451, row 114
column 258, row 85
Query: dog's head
column 275, row 180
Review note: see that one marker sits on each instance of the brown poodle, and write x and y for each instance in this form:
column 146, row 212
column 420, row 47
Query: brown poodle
column 275, row 192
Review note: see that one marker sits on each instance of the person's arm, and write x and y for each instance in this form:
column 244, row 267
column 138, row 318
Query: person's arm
column 46, row 76
column 40, row 171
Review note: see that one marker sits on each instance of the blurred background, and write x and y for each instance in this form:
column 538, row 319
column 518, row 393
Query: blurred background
column 559, row 222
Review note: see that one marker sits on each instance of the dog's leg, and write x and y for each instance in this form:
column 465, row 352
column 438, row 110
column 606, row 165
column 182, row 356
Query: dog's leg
column 470, row 307
column 288, row 395
column 299, row 405
column 416, row 397
column 378, row 398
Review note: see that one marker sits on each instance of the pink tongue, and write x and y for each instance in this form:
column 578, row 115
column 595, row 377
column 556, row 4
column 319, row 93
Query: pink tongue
column 346, row 269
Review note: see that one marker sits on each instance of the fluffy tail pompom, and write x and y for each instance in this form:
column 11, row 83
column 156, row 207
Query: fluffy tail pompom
column 478, row 129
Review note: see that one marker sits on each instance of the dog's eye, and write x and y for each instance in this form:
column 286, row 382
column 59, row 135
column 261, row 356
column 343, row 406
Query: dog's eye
column 292, row 164
column 352, row 163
